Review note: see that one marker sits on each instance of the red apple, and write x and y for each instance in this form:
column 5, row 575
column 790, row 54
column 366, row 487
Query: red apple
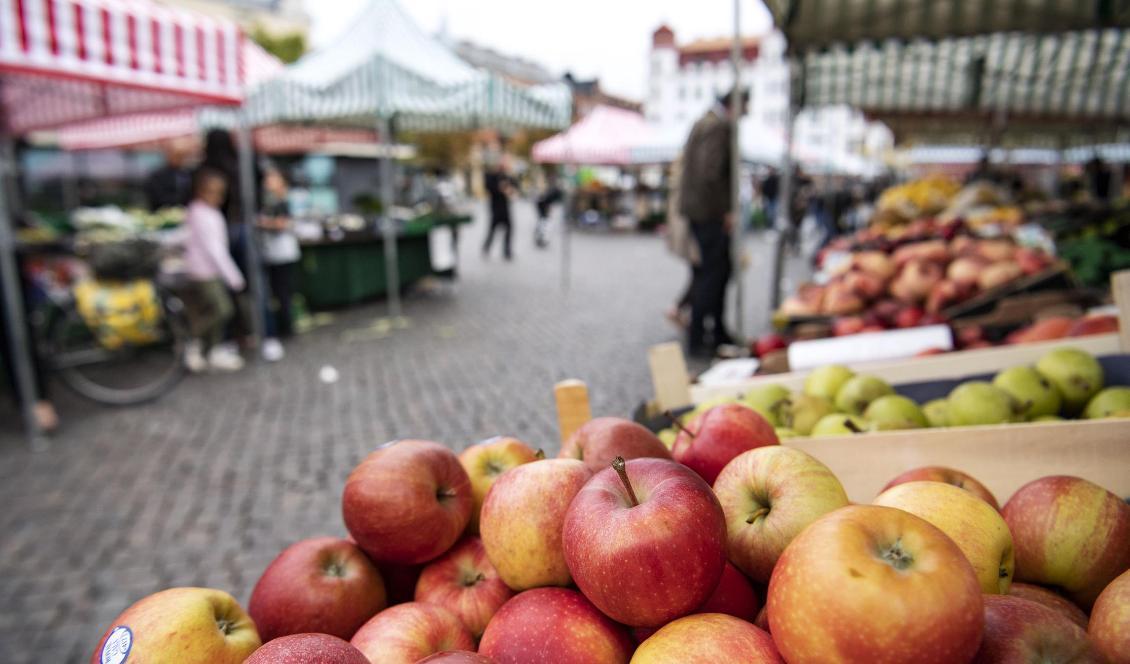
column 718, row 435
column 1031, row 261
column 996, row 250
column 1110, row 621
column 734, row 596
column 708, row 638
column 767, row 343
column 769, row 495
column 965, row 270
column 323, row 585
column 1019, row 631
column 407, row 633
column 1050, row 599
column 876, row 263
column 846, row 325
column 1045, row 329
column 307, row 649
column 554, row 626
column 464, row 581
column 182, row 625
column 874, row 584
column 915, row 281
column 455, row 657
column 1093, row 325
column 998, row 274
column 485, row 462
column 602, row 439
column 943, row 295
column 909, row 317
column 1069, row 533
column 407, row 502
column 521, row 522
column 645, row 541
column 949, row 476
column 840, row 300
column 866, row 286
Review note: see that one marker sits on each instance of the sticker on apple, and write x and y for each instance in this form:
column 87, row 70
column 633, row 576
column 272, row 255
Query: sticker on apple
column 117, row 646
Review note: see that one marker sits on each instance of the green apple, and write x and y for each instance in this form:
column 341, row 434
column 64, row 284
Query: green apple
column 1111, row 402
column 1034, row 392
column 784, row 434
column 826, row 381
column 802, row 412
column 858, row 393
column 767, row 400
column 894, row 411
column 937, row 413
column 840, row 424
column 1076, row 374
column 1047, row 418
column 977, row 402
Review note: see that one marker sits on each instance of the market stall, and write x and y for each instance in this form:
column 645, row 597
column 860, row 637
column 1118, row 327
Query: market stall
column 90, row 61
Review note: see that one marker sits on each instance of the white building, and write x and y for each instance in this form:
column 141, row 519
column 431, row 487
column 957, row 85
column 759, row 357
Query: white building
column 279, row 17
column 684, row 80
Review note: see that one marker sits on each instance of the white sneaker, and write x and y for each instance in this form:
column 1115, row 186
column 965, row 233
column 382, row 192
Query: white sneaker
column 223, row 359
column 272, row 350
column 194, row 357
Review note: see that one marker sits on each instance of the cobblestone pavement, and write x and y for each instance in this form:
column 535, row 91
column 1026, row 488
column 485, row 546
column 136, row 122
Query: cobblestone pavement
column 207, row 485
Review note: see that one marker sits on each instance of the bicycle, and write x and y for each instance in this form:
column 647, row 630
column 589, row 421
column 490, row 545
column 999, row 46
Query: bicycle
column 122, row 374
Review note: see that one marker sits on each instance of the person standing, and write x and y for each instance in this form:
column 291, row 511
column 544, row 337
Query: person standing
column 171, row 185
column 705, row 191
column 280, row 256
column 499, row 189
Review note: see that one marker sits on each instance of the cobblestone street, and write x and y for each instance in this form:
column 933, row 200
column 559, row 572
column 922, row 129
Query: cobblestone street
column 205, row 486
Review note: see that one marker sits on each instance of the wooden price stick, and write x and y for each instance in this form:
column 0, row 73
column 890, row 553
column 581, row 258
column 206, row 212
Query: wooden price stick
column 573, row 410
column 669, row 376
column 1120, row 287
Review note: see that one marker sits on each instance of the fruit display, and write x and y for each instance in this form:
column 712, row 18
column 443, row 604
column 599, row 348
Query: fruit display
column 645, row 561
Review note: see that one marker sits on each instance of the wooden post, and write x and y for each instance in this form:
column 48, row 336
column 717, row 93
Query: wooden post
column 1120, row 287
column 669, row 376
column 573, row 410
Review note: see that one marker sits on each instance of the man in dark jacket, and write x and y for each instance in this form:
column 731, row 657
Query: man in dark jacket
column 171, row 185
column 706, row 201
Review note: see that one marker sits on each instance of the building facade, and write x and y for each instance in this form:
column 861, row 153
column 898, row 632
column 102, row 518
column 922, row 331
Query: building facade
column 685, row 80
column 277, row 17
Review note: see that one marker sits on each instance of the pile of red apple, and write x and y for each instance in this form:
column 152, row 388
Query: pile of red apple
column 914, row 283
column 728, row 548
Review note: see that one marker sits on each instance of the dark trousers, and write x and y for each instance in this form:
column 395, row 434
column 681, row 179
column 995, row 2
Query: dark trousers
column 714, row 270
column 280, row 319
column 504, row 223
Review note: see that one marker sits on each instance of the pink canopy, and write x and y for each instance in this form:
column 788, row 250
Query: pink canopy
column 68, row 60
column 606, row 136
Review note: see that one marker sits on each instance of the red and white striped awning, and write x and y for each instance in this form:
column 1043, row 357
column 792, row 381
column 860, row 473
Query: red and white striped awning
column 68, row 60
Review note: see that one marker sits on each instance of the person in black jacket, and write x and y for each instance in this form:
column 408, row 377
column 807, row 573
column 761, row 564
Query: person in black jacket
column 170, row 185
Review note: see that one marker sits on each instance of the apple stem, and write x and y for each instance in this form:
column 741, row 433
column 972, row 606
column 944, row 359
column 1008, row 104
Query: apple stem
column 760, row 512
column 540, row 454
column 852, row 426
column 621, row 469
column 678, row 425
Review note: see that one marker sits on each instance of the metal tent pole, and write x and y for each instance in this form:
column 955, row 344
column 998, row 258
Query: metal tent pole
column 387, row 224
column 566, row 230
column 249, row 207
column 19, row 349
column 737, row 232
column 784, row 197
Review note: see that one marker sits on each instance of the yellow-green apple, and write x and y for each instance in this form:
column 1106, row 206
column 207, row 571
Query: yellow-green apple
column 708, row 638
column 1050, row 599
column 1110, row 621
column 600, row 440
column 976, row 528
column 768, row 496
column 1020, row 631
column 407, row 502
column 323, row 585
column 1069, row 533
column 485, row 462
column 521, row 522
column 182, row 625
column 949, row 476
column 718, row 435
column 455, row 657
column 825, row 382
column 464, row 581
column 733, row 596
column 554, row 626
column 645, row 541
column 307, row 649
column 407, row 633
column 874, row 584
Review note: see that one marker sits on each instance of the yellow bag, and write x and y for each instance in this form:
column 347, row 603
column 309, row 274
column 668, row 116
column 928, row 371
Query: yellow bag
column 120, row 313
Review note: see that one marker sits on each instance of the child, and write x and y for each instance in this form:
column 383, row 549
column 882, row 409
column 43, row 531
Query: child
column 211, row 272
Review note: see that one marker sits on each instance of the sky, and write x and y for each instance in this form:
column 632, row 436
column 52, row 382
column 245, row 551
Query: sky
column 605, row 38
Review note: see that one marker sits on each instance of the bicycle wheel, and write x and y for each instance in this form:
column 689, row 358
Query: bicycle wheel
column 118, row 377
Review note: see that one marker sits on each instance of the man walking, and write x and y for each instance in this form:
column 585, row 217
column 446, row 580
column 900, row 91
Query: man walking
column 499, row 190
column 706, row 197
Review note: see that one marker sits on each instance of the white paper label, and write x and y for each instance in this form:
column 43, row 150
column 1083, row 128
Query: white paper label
column 117, row 646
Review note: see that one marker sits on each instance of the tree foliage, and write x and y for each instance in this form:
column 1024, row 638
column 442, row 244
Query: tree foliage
column 286, row 47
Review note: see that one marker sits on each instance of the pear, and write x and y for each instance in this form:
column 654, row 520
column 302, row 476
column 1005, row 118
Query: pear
column 1034, row 392
column 767, row 400
column 937, row 413
column 858, row 393
column 1077, row 375
column 978, row 402
column 826, row 381
column 802, row 412
column 840, row 424
column 785, row 434
column 1111, row 402
column 894, row 411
